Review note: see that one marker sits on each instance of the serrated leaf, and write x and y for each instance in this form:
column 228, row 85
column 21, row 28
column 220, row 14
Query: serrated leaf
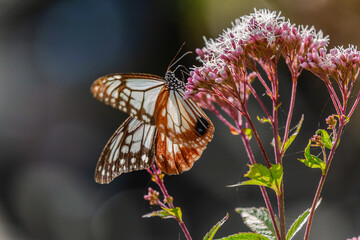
column 263, row 120
column 312, row 161
column 210, row 235
column 258, row 220
column 299, row 222
column 293, row 136
column 247, row 132
column 262, row 176
column 325, row 138
column 245, row 236
column 166, row 213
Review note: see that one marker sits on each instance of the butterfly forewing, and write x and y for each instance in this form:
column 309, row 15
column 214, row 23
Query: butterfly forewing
column 135, row 94
column 132, row 147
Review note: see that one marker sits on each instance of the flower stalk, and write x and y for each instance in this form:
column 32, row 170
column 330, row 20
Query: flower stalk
column 158, row 177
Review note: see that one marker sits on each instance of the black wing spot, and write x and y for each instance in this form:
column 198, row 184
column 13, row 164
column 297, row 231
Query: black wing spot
column 201, row 125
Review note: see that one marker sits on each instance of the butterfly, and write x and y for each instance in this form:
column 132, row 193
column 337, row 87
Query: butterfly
column 163, row 127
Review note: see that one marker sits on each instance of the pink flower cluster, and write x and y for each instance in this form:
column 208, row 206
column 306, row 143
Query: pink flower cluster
column 341, row 64
column 230, row 62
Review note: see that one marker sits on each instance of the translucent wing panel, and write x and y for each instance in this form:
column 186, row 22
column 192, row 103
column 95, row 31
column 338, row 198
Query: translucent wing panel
column 173, row 158
column 182, row 120
column 135, row 94
column 132, row 147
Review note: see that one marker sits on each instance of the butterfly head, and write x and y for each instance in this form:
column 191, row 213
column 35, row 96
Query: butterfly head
column 172, row 82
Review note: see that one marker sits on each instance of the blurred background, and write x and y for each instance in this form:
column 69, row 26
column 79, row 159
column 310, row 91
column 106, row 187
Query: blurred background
column 52, row 131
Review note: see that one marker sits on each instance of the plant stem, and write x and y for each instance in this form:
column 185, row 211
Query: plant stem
column 262, row 188
column 334, row 98
column 256, row 96
column 247, row 116
column 323, row 178
column 221, row 118
column 280, row 197
column 289, row 117
column 281, row 206
column 262, row 81
column 160, row 183
column 354, row 105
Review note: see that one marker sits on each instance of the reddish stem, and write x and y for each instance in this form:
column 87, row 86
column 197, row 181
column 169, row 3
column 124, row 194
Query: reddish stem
column 160, row 183
column 219, row 116
column 262, row 188
column 289, row 117
column 354, row 105
column 262, row 81
column 334, row 98
column 246, row 114
column 280, row 196
column 323, row 178
column 256, row 96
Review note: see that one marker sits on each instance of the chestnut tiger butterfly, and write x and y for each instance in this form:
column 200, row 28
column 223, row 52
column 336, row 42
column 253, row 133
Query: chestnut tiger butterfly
column 163, row 127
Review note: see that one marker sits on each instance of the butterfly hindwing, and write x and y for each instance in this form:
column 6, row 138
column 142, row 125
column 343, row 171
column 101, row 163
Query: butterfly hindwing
column 133, row 93
column 182, row 120
column 132, row 147
column 173, row 158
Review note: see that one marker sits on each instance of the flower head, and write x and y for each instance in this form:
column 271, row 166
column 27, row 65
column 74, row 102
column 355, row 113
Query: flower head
column 152, row 196
column 341, row 64
column 331, row 122
column 297, row 42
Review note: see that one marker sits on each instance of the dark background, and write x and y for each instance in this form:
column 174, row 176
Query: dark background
column 52, row 131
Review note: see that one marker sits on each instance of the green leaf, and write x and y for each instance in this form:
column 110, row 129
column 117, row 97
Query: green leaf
column 312, row 161
column 293, row 136
column 263, row 120
column 262, row 176
column 299, row 222
column 166, row 213
column 247, row 132
column 210, row 235
column 244, row 236
column 258, row 220
column 325, row 138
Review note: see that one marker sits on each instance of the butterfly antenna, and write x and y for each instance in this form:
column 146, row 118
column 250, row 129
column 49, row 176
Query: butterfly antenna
column 180, row 66
column 173, row 62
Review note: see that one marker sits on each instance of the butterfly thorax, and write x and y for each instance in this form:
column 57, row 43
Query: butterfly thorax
column 172, row 82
